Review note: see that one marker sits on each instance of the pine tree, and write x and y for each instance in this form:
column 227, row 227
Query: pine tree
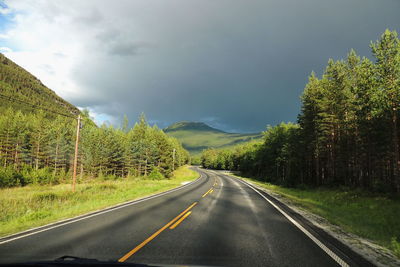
column 387, row 52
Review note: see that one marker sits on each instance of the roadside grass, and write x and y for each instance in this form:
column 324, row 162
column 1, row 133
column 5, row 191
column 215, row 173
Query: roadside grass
column 368, row 215
column 34, row 205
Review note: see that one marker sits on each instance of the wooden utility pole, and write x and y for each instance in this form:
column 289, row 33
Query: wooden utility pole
column 78, row 127
column 173, row 159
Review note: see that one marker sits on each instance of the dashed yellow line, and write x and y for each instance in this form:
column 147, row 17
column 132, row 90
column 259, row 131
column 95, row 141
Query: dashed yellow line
column 180, row 220
column 206, row 193
column 172, row 225
column 138, row 247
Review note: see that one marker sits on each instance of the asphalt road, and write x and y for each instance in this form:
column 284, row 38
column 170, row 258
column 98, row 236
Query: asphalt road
column 231, row 225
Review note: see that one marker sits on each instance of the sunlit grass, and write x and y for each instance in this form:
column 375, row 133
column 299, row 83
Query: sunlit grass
column 372, row 216
column 31, row 206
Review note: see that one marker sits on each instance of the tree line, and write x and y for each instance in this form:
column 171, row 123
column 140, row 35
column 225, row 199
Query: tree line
column 347, row 131
column 38, row 147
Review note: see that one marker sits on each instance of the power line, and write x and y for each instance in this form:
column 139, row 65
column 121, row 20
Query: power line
column 35, row 106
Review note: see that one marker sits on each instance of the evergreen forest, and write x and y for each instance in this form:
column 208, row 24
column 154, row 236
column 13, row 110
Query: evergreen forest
column 347, row 133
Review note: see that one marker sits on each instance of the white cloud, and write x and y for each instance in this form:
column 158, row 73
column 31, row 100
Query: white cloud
column 101, row 118
column 4, row 49
column 5, row 11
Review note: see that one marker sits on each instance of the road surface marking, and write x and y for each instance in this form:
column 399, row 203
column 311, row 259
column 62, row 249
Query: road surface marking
column 91, row 214
column 332, row 254
column 138, row 247
column 180, row 220
column 206, row 193
column 212, row 190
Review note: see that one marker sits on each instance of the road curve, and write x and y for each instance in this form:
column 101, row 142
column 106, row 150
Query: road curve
column 215, row 221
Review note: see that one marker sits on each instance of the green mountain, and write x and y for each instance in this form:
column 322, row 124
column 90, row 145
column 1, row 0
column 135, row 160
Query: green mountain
column 197, row 136
column 21, row 90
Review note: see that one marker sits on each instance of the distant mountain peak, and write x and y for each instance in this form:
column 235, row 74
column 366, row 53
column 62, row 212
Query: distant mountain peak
column 197, row 136
column 191, row 126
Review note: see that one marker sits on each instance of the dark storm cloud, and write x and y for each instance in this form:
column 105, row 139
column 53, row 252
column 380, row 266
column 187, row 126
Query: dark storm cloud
column 127, row 49
column 238, row 65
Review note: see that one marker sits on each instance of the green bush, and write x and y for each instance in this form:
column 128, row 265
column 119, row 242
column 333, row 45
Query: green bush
column 40, row 176
column 395, row 245
column 9, row 178
column 155, row 174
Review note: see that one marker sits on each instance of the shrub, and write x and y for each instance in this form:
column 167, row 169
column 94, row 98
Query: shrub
column 155, row 174
column 40, row 176
column 9, row 178
column 395, row 245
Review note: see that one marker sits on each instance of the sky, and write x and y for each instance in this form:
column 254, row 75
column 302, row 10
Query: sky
column 236, row 65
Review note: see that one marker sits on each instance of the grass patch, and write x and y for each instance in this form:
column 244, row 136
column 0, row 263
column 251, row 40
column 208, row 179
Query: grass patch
column 34, row 205
column 372, row 216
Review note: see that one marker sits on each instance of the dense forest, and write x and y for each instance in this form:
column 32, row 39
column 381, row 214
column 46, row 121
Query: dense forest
column 347, row 132
column 37, row 149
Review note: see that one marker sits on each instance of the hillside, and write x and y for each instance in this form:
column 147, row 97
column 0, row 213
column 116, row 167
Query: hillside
column 197, row 136
column 18, row 86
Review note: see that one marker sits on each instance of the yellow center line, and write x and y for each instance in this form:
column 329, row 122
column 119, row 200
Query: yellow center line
column 133, row 251
column 205, row 194
column 212, row 190
column 180, row 220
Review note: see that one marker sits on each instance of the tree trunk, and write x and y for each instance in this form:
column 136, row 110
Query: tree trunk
column 37, row 154
column 6, row 148
column 55, row 159
column 81, row 174
column 16, row 157
column 395, row 137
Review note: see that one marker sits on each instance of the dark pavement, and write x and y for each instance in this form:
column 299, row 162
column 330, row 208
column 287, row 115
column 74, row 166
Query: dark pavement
column 232, row 225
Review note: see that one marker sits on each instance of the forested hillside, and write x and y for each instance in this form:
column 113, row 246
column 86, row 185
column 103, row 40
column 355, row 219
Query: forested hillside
column 347, row 132
column 197, row 136
column 38, row 133
column 19, row 86
column 34, row 149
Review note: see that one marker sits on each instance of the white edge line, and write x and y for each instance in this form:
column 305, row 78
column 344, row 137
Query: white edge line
column 335, row 257
column 87, row 215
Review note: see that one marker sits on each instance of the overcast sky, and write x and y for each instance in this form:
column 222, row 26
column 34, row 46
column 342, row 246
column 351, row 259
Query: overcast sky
column 237, row 65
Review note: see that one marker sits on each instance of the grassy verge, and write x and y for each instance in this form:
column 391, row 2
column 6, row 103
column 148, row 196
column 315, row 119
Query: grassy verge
column 31, row 206
column 372, row 216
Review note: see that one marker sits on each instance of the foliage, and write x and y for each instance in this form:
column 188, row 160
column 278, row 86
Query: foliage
column 35, row 149
column 395, row 246
column 155, row 174
column 347, row 132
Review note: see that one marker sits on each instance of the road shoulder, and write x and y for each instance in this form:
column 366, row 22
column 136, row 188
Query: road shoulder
column 375, row 254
